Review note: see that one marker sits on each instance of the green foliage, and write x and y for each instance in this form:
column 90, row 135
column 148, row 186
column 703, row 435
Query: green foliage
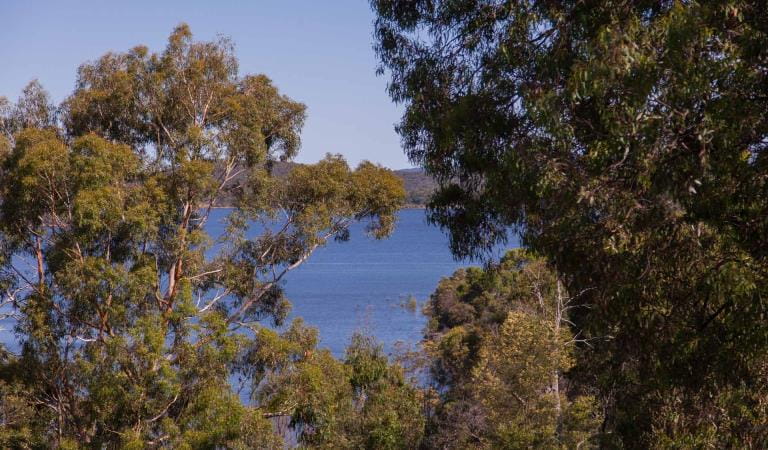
column 388, row 408
column 499, row 346
column 19, row 424
column 362, row 402
column 32, row 110
column 626, row 142
column 132, row 320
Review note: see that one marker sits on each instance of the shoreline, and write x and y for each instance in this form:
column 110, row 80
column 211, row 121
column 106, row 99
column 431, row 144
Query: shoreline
column 408, row 206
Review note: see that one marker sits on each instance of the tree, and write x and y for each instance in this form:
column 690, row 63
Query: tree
column 131, row 318
column 34, row 109
column 363, row 402
column 499, row 351
column 626, row 142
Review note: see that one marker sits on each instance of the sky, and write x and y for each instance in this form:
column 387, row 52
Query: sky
column 317, row 52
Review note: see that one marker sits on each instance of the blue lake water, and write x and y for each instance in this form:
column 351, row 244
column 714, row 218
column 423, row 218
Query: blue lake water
column 362, row 284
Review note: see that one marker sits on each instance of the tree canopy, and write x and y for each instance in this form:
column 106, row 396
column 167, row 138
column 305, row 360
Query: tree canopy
column 132, row 320
column 498, row 350
column 626, row 142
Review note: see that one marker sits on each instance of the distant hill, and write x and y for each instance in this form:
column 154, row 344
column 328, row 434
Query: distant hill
column 418, row 186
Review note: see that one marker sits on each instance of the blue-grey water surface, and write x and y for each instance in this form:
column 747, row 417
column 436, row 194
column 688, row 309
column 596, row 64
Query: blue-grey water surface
column 362, row 284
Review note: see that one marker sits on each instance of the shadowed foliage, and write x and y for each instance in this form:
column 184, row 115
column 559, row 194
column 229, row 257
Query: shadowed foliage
column 626, row 141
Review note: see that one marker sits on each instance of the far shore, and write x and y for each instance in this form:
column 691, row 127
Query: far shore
column 407, row 206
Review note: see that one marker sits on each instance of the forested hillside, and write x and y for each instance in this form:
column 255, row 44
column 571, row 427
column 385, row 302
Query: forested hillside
column 418, row 186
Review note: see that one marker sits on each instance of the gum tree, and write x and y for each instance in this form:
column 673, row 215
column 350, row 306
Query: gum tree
column 360, row 402
column 499, row 350
column 626, row 141
column 130, row 316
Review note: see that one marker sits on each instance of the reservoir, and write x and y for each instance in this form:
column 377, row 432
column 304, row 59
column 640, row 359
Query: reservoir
column 362, row 284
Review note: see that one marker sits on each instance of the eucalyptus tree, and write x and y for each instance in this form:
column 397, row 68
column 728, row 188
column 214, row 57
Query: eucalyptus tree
column 362, row 401
column 131, row 318
column 499, row 349
column 626, row 141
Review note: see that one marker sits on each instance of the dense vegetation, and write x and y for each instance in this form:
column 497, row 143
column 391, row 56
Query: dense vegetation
column 139, row 330
column 133, row 322
column 626, row 141
column 498, row 347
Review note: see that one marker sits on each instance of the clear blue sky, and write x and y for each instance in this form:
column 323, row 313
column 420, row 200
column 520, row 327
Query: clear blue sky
column 317, row 52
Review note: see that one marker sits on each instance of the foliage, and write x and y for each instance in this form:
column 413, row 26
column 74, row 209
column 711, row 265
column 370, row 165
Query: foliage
column 418, row 186
column 500, row 350
column 626, row 142
column 132, row 320
column 361, row 402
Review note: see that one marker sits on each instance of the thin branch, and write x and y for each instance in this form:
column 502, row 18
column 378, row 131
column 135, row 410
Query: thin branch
column 215, row 299
column 165, row 410
column 266, row 287
column 210, row 272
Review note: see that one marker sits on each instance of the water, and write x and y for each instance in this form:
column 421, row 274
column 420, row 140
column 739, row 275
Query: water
column 362, row 284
